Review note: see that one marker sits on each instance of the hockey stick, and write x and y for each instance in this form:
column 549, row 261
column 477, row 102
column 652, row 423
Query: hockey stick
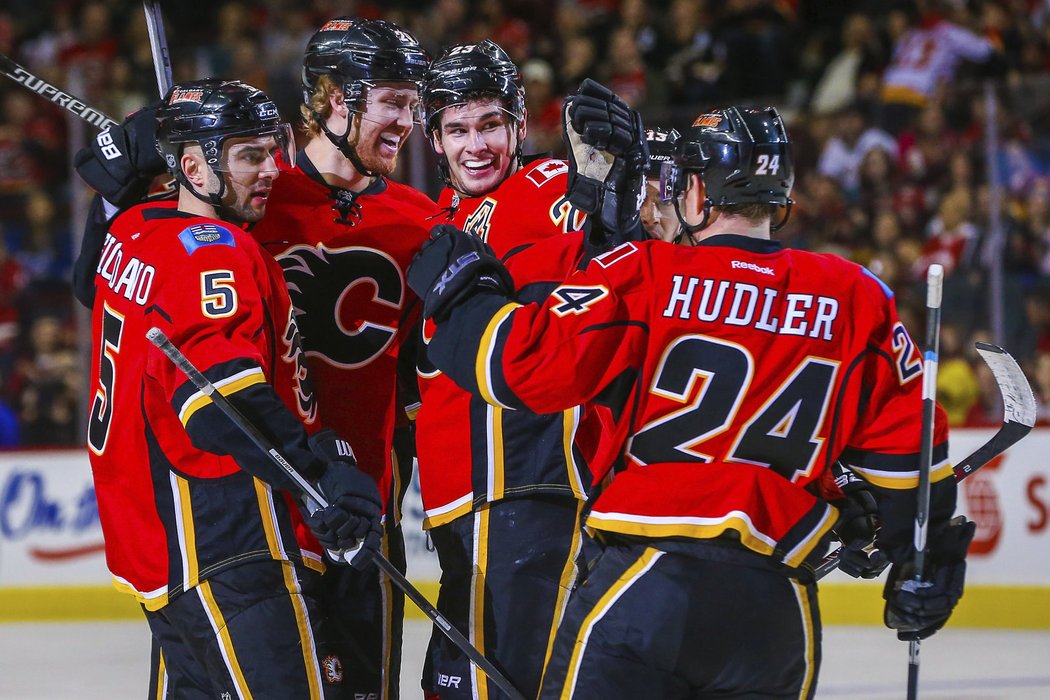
column 159, row 339
column 63, row 99
column 158, row 42
column 1019, row 416
column 934, row 285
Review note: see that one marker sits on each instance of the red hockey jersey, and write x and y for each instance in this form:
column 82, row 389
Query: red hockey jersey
column 344, row 258
column 744, row 371
column 469, row 451
column 179, row 490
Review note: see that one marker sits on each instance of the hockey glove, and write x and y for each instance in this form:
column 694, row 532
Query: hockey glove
column 608, row 154
column 121, row 161
column 453, row 266
column 352, row 515
column 857, row 526
column 917, row 609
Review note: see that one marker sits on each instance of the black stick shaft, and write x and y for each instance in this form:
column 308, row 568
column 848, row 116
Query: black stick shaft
column 158, row 42
column 934, row 286
column 68, row 102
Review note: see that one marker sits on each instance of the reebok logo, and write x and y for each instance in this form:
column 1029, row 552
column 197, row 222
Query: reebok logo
column 741, row 265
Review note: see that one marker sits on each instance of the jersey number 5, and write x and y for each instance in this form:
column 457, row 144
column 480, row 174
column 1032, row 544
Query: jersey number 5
column 102, row 404
column 781, row 433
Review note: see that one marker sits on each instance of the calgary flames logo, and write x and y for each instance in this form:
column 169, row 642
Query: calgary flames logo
column 304, row 390
column 348, row 301
column 708, row 120
column 192, row 95
column 333, row 669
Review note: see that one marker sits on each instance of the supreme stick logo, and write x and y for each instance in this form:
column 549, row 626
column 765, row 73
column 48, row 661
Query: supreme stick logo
column 191, row 95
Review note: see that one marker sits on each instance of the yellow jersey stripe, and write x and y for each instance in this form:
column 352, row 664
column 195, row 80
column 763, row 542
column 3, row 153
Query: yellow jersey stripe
column 566, row 583
column 696, row 528
column 186, row 532
column 809, row 632
column 306, row 637
column 477, row 598
column 482, row 364
column 903, row 480
column 226, row 387
column 222, row 633
column 638, row 569
column 497, row 468
column 269, row 518
column 570, row 423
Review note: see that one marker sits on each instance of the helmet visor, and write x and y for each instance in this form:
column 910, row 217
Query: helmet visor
column 668, row 177
column 388, row 103
column 254, row 152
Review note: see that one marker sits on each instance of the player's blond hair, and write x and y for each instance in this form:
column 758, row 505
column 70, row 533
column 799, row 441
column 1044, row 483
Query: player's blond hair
column 320, row 104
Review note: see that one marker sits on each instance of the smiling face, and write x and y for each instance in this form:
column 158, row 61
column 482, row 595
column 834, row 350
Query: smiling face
column 379, row 132
column 480, row 141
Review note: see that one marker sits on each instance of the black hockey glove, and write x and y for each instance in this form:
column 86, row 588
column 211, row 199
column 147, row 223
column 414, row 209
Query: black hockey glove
column 121, row 161
column 452, row 266
column 857, row 526
column 918, row 609
column 352, row 516
column 608, row 154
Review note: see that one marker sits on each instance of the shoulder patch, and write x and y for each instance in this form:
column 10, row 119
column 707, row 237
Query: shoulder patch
column 200, row 235
column 885, row 288
column 540, row 173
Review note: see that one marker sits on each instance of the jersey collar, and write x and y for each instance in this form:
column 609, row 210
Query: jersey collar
column 733, row 240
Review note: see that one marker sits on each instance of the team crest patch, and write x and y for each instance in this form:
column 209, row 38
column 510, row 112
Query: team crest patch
column 200, row 235
column 333, row 669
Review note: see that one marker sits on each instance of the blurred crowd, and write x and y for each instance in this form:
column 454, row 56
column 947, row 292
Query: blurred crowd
column 903, row 116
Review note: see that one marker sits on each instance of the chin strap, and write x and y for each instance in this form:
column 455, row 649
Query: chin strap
column 343, row 143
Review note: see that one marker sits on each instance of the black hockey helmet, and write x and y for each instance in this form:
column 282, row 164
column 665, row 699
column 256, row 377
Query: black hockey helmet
column 357, row 53
column 207, row 112
column 743, row 156
column 465, row 71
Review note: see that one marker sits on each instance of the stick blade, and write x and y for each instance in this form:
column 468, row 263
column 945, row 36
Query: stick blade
column 1018, row 399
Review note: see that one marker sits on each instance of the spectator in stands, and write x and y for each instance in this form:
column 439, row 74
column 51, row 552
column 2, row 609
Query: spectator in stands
column 926, row 146
column 951, row 236
column 696, row 57
column 958, row 390
column 42, row 245
column 50, row 387
column 543, row 107
column 925, row 56
column 853, row 137
column 854, row 73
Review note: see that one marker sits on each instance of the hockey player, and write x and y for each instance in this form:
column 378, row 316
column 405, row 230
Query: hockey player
column 502, row 491
column 344, row 234
column 199, row 524
column 658, row 217
column 744, row 370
